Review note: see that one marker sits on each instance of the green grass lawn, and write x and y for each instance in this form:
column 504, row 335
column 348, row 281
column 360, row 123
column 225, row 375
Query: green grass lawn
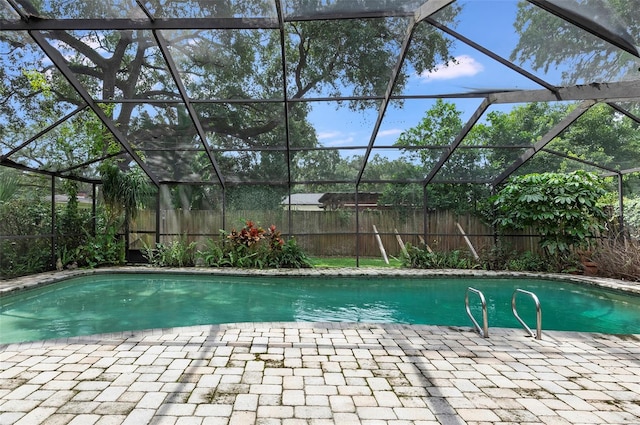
column 351, row 262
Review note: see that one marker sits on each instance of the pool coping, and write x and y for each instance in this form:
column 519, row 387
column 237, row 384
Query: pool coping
column 27, row 282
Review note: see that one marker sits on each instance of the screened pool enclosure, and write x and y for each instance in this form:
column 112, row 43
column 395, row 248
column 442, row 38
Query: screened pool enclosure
column 410, row 112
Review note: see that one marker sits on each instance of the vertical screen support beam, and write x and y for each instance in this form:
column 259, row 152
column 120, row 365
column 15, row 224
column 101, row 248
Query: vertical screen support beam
column 357, row 230
column 425, row 213
column 54, row 237
column 285, row 93
column 621, row 206
column 94, row 211
column 158, row 214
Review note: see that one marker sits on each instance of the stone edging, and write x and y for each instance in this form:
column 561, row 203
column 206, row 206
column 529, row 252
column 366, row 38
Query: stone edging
column 26, row 282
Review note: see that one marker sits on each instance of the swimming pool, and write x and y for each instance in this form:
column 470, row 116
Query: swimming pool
column 118, row 302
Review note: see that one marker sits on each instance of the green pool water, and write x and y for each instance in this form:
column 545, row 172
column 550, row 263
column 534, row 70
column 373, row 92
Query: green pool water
column 111, row 303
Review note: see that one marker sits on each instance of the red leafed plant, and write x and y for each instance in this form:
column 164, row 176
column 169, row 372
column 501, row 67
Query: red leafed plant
column 254, row 247
column 275, row 238
column 249, row 235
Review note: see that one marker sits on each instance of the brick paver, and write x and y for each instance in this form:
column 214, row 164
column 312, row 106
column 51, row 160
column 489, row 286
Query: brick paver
column 303, row 373
column 321, row 373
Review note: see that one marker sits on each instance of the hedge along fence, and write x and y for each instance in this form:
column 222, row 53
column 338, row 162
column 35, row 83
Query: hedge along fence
column 331, row 233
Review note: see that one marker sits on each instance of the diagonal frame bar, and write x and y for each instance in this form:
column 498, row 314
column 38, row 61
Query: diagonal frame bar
column 624, row 112
column 492, row 55
column 59, row 62
column 173, row 69
column 545, row 140
column 586, row 24
column 424, row 11
column 43, row 132
column 459, row 138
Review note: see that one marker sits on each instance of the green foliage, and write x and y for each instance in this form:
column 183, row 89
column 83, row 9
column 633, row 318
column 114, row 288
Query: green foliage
column 562, row 208
column 178, row 253
column 29, row 220
column 9, row 184
column 338, row 262
column 123, row 192
column 23, row 257
column 71, row 224
column 501, row 257
column 37, row 81
column 102, row 249
column 253, row 247
column 530, row 261
column 419, row 257
column 288, row 255
column 546, row 41
column 632, row 216
column 439, row 128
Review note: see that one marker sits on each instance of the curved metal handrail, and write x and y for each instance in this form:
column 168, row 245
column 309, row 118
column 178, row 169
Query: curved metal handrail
column 538, row 333
column 484, row 330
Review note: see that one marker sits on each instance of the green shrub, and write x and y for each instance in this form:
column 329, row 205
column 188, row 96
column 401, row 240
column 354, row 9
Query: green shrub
column 528, row 261
column 289, row 255
column 25, row 256
column 422, row 258
column 632, row 216
column 102, row 249
column 502, row 257
column 178, row 253
column 563, row 208
column 253, row 247
column 29, row 221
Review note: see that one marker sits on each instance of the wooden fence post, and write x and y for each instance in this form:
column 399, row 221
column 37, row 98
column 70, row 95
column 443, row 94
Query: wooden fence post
column 384, row 253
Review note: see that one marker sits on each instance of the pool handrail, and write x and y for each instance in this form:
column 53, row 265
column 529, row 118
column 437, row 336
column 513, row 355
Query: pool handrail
column 484, row 330
column 538, row 333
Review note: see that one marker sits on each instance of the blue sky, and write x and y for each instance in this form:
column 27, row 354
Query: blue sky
column 490, row 23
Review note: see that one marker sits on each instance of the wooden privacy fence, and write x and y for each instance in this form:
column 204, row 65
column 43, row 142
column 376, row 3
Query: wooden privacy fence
column 330, row 233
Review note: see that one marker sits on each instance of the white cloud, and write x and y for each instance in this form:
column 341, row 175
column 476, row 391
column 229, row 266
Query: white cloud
column 390, row 132
column 336, row 138
column 328, row 135
column 464, row 66
column 340, row 142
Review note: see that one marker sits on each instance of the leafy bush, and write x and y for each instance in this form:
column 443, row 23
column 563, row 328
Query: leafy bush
column 496, row 257
column 563, row 209
column 24, row 256
column 178, row 253
column 529, row 261
column 632, row 216
column 422, row 258
column 19, row 256
column 102, row 249
column 253, row 247
column 289, row 255
column 502, row 257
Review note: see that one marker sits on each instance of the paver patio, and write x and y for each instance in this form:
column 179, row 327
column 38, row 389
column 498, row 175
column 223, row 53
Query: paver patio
column 322, row 373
